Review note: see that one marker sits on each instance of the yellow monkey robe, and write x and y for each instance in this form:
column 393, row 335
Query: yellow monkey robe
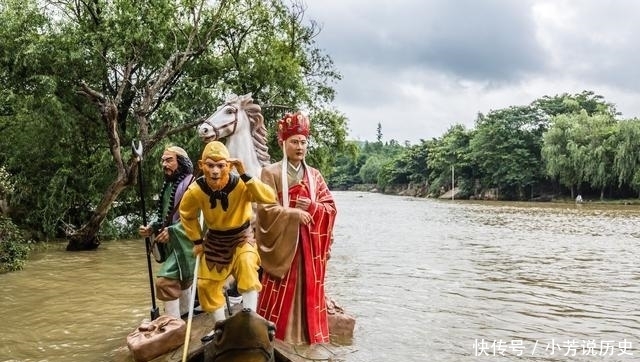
column 229, row 245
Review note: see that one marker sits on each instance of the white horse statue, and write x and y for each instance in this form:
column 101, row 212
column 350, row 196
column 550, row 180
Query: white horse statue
column 241, row 118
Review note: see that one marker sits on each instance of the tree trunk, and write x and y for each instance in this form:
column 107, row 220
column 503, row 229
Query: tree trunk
column 86, row 238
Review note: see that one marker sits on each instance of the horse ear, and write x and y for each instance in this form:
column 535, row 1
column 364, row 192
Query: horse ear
column 245, row 97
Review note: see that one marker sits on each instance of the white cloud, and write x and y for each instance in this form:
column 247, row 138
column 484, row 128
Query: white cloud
column 420, row 66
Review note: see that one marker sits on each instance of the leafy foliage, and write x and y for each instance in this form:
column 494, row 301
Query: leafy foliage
column 506, row 147
column 627, row 158
column 7, row 185
column 520, row 152
column 82, row 80
column 14, row 248
column 450, row 151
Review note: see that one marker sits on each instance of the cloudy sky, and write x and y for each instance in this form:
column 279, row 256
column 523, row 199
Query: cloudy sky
column 420, row 66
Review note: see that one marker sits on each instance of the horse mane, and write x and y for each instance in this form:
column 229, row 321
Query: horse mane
column 258, row 129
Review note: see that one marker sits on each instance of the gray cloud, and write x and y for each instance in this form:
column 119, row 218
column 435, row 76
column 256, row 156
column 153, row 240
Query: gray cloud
column 472, row 39
column 435, row 63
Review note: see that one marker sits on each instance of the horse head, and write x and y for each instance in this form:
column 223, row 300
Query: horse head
column 244, row 337
column 240, row 124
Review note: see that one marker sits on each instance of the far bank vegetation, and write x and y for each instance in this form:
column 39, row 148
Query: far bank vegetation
column 552, row 149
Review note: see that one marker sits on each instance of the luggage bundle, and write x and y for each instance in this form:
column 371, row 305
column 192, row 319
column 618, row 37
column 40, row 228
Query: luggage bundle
column 155, row 338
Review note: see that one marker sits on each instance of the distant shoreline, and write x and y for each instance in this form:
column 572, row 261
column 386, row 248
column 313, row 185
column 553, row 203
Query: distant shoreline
column 421, row 192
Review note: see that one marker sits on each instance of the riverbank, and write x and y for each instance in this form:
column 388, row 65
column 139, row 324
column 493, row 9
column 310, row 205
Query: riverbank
column 414, row 190
column 401, row 190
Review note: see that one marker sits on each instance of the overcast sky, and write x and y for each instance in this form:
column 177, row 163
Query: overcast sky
column 420, row 66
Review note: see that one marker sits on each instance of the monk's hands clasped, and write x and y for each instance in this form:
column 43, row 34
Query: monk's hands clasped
column 303, row 203
column 237, row 163
column 305, row 217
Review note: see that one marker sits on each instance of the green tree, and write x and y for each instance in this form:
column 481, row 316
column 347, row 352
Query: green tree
column 14, row 248
column 328, row 137
column 84, row 79
column 7, row 187
column 564, row 144
column 265, row 49
column 371, row 169
column 599, row 153
column 130, row 76
column 560, row 162
column 451, row 150
column 567, row 104
column 582, row 148
column 346, row 168
column 506, row 147
column 627, row 158
column 410, row 166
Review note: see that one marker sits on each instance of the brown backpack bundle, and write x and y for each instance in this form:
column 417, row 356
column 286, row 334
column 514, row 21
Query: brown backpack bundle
column 155, row 338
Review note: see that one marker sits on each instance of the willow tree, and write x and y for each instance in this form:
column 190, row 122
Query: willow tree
column 581, row 148
column 599, row 154
column 627, row 157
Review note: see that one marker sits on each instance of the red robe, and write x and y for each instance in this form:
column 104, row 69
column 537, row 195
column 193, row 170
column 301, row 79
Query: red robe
column 294, row 258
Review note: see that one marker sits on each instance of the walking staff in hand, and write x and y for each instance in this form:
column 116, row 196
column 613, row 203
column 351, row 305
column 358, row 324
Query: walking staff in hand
column 228, row 248
column 176, row 273
column 137, row 150
column 294, row 240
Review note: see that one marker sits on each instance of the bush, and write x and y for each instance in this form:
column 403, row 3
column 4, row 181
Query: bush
column 14, row 249
column 122, row 227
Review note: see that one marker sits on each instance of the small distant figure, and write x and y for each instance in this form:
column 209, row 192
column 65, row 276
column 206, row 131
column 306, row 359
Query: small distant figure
column 579, row 199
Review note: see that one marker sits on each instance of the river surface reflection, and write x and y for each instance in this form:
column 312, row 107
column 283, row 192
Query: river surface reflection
column 426, row 280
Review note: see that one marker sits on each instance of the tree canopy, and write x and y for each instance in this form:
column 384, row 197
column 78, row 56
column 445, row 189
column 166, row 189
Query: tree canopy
column 555, row 144
column 82, row 80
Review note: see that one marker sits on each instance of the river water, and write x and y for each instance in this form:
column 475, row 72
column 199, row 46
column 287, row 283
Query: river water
column 426, row 280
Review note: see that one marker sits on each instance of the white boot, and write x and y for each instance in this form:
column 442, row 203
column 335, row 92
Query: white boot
column 218, row 315
column 185, row 300
column 250, row 300
column 172, row 308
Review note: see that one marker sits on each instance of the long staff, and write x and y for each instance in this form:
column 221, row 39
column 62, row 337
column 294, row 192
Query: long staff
column 155, row 313
column 192, row 301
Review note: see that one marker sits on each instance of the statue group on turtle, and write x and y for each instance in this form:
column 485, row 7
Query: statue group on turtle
column 268, row 227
